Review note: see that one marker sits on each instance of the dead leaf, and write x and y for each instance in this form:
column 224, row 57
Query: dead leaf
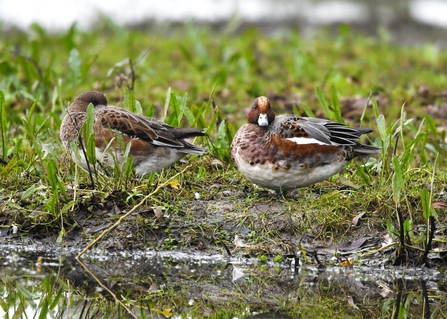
column 439, row 205
column 216, row 162
column 384, row 293
column 352, row 245
column 356, row 219
column 153, row 287
column 114, row 211
column 166, row 312
column 347, row 263
column 39, row 264
column 174, row 184
column 348, row 183
column 351, row 302
column 387, row 240
column 158, row 213
column 238, row 242
column 237, row 273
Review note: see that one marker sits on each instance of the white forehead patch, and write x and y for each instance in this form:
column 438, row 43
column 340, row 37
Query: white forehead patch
column 263, row 120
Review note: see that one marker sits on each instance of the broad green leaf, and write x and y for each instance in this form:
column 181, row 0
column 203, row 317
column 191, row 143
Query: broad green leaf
column 6, row 69
column 223, row 140
column 61, row 235
column 31, row 190
column 407, row 226
column 25, row 292
column 4, row 305
column 67, row 207
column 362, row 173
column 18, row 313
column 381, row 127
column 139, row 109
column 391, row 229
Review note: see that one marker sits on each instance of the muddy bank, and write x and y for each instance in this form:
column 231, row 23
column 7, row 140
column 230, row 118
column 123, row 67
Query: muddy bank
column 228, row 225
column 186, row 255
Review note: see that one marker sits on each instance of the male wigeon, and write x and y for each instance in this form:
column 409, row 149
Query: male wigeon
column 290, row 151
column 154, row 144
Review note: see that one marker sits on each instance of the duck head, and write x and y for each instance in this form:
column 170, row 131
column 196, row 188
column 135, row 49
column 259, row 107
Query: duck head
column 261, row 112
column 81, row 103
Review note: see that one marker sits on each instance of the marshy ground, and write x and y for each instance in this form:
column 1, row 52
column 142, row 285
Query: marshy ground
column 386, row 213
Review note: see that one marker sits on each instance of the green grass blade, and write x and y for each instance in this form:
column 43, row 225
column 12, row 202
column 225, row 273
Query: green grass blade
column 51, row 174
column 18, row 313
column 129, row 100
column 426, row 205
column 397, row 180
column 3, row 122
column 139, row 109
column 189, row 116
column 56, row 299
column 336, row 105
column 375, row 107
column 306, row 109
column 183, row 107
column 323, row 102
column 166, row 107
column 175, row 115
column 74, row 62
column 43, row 314
column 89, row 136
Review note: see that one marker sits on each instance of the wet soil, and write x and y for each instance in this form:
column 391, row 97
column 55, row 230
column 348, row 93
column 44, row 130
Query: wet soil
column 227, row 225
column 262, row 227
column 224, row 253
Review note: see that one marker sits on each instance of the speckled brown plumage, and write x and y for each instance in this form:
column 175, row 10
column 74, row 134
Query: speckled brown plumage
column 289, row 151
column 153, row 144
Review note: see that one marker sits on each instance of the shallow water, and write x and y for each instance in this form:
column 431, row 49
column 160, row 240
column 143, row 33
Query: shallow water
column 178, row 284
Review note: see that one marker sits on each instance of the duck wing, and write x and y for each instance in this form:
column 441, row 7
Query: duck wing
column 144, row 128
column 321, row 130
